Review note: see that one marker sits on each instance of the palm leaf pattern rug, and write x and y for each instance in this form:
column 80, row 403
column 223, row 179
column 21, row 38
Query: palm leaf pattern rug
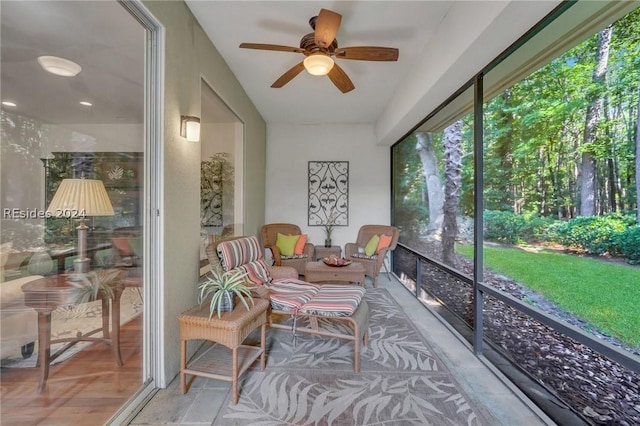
column 309, row 380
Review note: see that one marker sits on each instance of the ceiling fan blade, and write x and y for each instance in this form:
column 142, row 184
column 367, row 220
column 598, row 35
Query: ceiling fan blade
column 368, row 53
column 276, row 47
column 288, row 76
column 340, row 79
column 327, row 27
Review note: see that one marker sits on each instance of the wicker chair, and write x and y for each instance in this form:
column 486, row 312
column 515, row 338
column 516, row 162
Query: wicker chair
column 269, row 234
column 372, row 264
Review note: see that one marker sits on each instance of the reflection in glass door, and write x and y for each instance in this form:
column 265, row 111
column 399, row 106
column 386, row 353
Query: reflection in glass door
column 72, row 198
column 221, row 170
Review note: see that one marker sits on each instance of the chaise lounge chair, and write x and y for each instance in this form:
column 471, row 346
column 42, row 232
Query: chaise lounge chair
column 290, row 296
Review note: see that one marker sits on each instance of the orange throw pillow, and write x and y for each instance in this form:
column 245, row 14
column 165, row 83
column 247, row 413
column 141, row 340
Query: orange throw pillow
column 300, row 244
column 385, row 241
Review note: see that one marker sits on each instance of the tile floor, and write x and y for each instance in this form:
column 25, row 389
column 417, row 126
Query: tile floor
column 478, row 379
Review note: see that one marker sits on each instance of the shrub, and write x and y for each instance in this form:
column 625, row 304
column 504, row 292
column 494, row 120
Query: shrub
column 535, row 227
column 503, row 227
column 512, row 228
column 628, row 242
column 594, row 234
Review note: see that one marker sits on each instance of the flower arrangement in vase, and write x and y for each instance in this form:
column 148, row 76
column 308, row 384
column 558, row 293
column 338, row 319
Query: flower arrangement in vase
column 328, row 227
column 223, row 287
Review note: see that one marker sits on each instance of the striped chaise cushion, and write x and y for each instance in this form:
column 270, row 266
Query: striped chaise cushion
column 289, row 295
column 257, row 272
column 329, row 300
column 234, row 253
column 334, row 300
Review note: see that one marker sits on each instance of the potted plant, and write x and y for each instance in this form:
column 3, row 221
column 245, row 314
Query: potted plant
column 223, row 287
column 89, row 285
column 328, row 228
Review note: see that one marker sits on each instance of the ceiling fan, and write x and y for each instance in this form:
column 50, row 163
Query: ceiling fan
column 320, row 46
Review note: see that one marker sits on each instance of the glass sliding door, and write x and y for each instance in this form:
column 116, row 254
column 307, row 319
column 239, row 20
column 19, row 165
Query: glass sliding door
column 73, row 117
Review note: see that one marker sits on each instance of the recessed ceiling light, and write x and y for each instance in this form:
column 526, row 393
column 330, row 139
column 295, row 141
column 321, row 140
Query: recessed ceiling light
column 9, row 103
column 59, row 66
column 85, row 103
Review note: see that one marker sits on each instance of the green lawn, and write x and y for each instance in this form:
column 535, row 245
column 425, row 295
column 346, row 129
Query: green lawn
column 604, row 294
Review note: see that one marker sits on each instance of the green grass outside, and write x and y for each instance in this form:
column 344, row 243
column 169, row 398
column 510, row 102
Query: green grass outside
column 605, row 295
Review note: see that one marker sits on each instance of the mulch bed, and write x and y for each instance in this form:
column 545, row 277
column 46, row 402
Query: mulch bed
column 603, row 391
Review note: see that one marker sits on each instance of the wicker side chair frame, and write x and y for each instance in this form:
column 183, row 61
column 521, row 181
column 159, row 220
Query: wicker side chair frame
column 372, row 266
column 269, row 234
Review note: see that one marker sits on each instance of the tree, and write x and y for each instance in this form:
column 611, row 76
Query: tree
column 452, row 141
column 638, row 160
column 425, row 149
column 594, row 115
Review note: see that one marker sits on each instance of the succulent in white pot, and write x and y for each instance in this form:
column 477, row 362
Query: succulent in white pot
column 223, row 287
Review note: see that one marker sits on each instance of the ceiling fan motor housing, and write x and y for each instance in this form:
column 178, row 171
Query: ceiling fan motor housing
column 308, row 43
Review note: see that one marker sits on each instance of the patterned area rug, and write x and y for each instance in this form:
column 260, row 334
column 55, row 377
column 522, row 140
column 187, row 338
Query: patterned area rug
column 69, row 321
column 309, row 380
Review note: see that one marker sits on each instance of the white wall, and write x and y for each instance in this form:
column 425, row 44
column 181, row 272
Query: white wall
column 289, row 149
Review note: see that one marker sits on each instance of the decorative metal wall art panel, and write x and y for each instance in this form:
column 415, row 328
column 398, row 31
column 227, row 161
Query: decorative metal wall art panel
column 328, row 193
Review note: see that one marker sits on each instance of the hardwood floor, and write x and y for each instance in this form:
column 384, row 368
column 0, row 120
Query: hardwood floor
column 87, row 389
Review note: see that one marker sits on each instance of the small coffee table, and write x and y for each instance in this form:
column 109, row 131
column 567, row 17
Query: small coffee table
column 45, row 295
column 315, row 272
column 230, row 330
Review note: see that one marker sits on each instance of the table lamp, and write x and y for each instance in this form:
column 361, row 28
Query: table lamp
column 78, row 198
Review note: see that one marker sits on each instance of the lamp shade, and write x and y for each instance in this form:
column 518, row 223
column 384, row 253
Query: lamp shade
column 318, row 64
column 80, row 198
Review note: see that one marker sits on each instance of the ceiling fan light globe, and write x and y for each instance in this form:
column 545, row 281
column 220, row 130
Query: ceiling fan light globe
column 318, row 64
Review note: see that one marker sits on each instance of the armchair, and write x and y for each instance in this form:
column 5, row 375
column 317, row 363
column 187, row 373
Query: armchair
column 374, row 262
column 269, row 234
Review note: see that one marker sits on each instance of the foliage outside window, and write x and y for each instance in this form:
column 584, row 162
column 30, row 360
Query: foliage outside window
column 560, row 192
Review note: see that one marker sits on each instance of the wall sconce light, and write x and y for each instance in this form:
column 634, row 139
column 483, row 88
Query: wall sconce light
column 190, row 128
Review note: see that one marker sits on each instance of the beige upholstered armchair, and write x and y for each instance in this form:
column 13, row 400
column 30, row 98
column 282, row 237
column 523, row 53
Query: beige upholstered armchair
column 372, row 262
column 269, row 234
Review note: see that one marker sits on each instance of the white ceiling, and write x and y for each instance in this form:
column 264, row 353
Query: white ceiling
column 112, row 76
column 108, row 43
column 406, row 25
